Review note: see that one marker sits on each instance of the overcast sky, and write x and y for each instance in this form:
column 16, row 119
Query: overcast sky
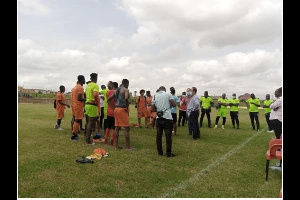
column 223, row 46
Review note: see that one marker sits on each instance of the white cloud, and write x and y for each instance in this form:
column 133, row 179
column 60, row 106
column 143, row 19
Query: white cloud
column 214, row 23
column 33, row 7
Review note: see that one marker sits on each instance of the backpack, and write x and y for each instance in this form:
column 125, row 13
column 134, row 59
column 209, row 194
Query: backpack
column 54, row 104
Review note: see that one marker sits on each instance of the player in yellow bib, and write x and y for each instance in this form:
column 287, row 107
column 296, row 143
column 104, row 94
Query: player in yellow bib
column 253, row 104
column 222, row 110
column 206, row 102
column 92, row 106
column 234, row 111
column 267, row 108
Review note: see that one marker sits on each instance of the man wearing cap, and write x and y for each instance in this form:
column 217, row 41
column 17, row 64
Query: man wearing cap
column 234, row 111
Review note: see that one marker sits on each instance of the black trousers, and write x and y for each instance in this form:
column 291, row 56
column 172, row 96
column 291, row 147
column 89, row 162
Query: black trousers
column 235, row 118
column 101, row 117
column 276, row 125
column 182, row 115
column 254, row 115
column 268, row 121
column 194, row 125
column 207, row 112
column 166, row 125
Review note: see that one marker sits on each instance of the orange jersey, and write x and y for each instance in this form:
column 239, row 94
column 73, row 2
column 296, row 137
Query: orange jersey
column 141, row 104
column 60, row 96
column 78, row 89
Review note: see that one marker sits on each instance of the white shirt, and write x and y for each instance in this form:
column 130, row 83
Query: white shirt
column 193, row 105
column 101, row 102
column 278, row 113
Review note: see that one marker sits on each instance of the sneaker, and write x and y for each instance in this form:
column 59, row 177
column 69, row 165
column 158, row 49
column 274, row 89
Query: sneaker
column 216, row 126
column 270, row 131
column 60, row 129
column 74, row 138
column 223, row 127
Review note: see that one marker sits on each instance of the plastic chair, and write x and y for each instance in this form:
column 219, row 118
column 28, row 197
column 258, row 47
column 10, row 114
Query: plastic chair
column 273, row 153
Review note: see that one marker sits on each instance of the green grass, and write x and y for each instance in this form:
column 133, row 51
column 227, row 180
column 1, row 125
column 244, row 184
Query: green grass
column 47, row 167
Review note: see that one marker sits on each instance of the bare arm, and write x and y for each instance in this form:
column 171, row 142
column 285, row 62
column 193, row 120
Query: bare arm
column 80, row 97
column 60, row 102
column 172, row 102
column 153, row 108
column 126, row 95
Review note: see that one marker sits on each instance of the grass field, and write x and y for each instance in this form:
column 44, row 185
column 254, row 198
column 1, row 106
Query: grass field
column 222, row 164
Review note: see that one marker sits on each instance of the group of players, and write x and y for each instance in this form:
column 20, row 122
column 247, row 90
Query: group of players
column 116, row 109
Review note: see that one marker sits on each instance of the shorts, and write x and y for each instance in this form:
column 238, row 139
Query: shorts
column 91, row 110
column 121, row 117
column 174, row 116
column 78, row 112
column 110, row 122
column 222, row 112
column 142, row 114
column 60, row 113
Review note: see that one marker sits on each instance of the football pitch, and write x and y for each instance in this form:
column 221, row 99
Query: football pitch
column 226, row 163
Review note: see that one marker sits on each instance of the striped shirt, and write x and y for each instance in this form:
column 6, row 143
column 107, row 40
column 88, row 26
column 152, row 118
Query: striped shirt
column 193, row 105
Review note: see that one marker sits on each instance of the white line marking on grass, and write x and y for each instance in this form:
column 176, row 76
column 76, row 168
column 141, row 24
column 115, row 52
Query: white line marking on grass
column 196, row 177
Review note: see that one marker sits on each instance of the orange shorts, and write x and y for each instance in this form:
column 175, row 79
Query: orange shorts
column 78, row 112
column 60, row 113
column 142, row 114
column 121, row 117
